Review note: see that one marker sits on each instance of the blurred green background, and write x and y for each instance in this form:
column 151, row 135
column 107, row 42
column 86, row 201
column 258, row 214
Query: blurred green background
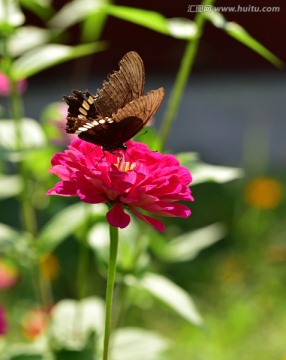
column 211, row 287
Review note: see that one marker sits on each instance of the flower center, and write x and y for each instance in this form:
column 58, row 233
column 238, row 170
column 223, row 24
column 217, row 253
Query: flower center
column 123, row 165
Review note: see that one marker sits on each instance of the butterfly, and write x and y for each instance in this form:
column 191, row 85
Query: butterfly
column 118, row 111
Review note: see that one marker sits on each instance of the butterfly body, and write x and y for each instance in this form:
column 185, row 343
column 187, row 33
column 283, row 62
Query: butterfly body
column 118, row 111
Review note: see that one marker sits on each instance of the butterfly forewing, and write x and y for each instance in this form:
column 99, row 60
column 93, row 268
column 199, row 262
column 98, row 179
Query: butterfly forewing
column 118, row 111
column 123, row 86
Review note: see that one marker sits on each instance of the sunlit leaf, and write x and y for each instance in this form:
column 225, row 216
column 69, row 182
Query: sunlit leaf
column 64, row 224
column 182, row 28
column 9, row 235
column 219, row 174
column 25, row 351
column 10, row 13
column 178, row 28
column 202, row 172
column 32, row 135
column 26, row 38
column 187, row 246
column 240, row 34
column 10, row 185
column 75, row 11
column 39, row 59
column 172, row 295
column 131, row 256
column 138, row 344
column 73, row 322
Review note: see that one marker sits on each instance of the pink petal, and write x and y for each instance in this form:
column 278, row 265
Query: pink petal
column 155, row 223
column 117, row 217
column 63, row 188
column 169, row 209
column 61, row 171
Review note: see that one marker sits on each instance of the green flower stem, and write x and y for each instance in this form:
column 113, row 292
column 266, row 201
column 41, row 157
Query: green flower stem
column 113, row 231
column 83, row 258
column 185, row 69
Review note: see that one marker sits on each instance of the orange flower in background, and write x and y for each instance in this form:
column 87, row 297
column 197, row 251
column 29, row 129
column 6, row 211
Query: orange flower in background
column 34, row 323
column 49, row 266
column 232, row 270
column 263, row 193
column 8, row 274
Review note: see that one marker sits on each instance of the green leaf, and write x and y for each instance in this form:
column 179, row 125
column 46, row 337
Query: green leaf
column 240, row 34
column 10, row 13
column 187, row 246
column 26, row 38
column 178, row 28
column 64, row 224
column 9, row 235
column 42, row 8
column 10, row 185
column 86, row 354
column 27, row 357
column 202, row 172
column 149, row 136
column 172, row 295
column 182, row 28
column 133, row 343
column 84, row 318
column 131, row 254
column 16, row 244
column 219, row 174
column 32, row 135
column 24, row 351
column 39, row 59
column 75, row 11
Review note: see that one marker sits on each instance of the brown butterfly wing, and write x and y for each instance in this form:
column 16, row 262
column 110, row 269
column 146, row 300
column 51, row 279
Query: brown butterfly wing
column 81, row 109
column 126, row 123
column 123, row 86
column 142, row 108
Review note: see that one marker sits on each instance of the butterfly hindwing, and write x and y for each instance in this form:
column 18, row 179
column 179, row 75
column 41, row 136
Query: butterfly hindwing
column 81, row 109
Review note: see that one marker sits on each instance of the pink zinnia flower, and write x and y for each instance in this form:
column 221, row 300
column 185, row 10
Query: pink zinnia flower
column 5, row 85
column 149, row 181
column 3, row 322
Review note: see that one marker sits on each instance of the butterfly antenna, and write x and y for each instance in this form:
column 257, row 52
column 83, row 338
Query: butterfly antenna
column 131, row 157
column 144, row 133
column 88, row 152
column 100, row 160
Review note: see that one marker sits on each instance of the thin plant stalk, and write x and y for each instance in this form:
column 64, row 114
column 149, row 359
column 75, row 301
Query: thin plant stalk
column 28, row 216
column 113, row 231
column 185, row 69
column 83, row 258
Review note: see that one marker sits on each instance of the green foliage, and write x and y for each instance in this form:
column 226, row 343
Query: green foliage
column 240, row 34
column 64, row 224
column 43, row 57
